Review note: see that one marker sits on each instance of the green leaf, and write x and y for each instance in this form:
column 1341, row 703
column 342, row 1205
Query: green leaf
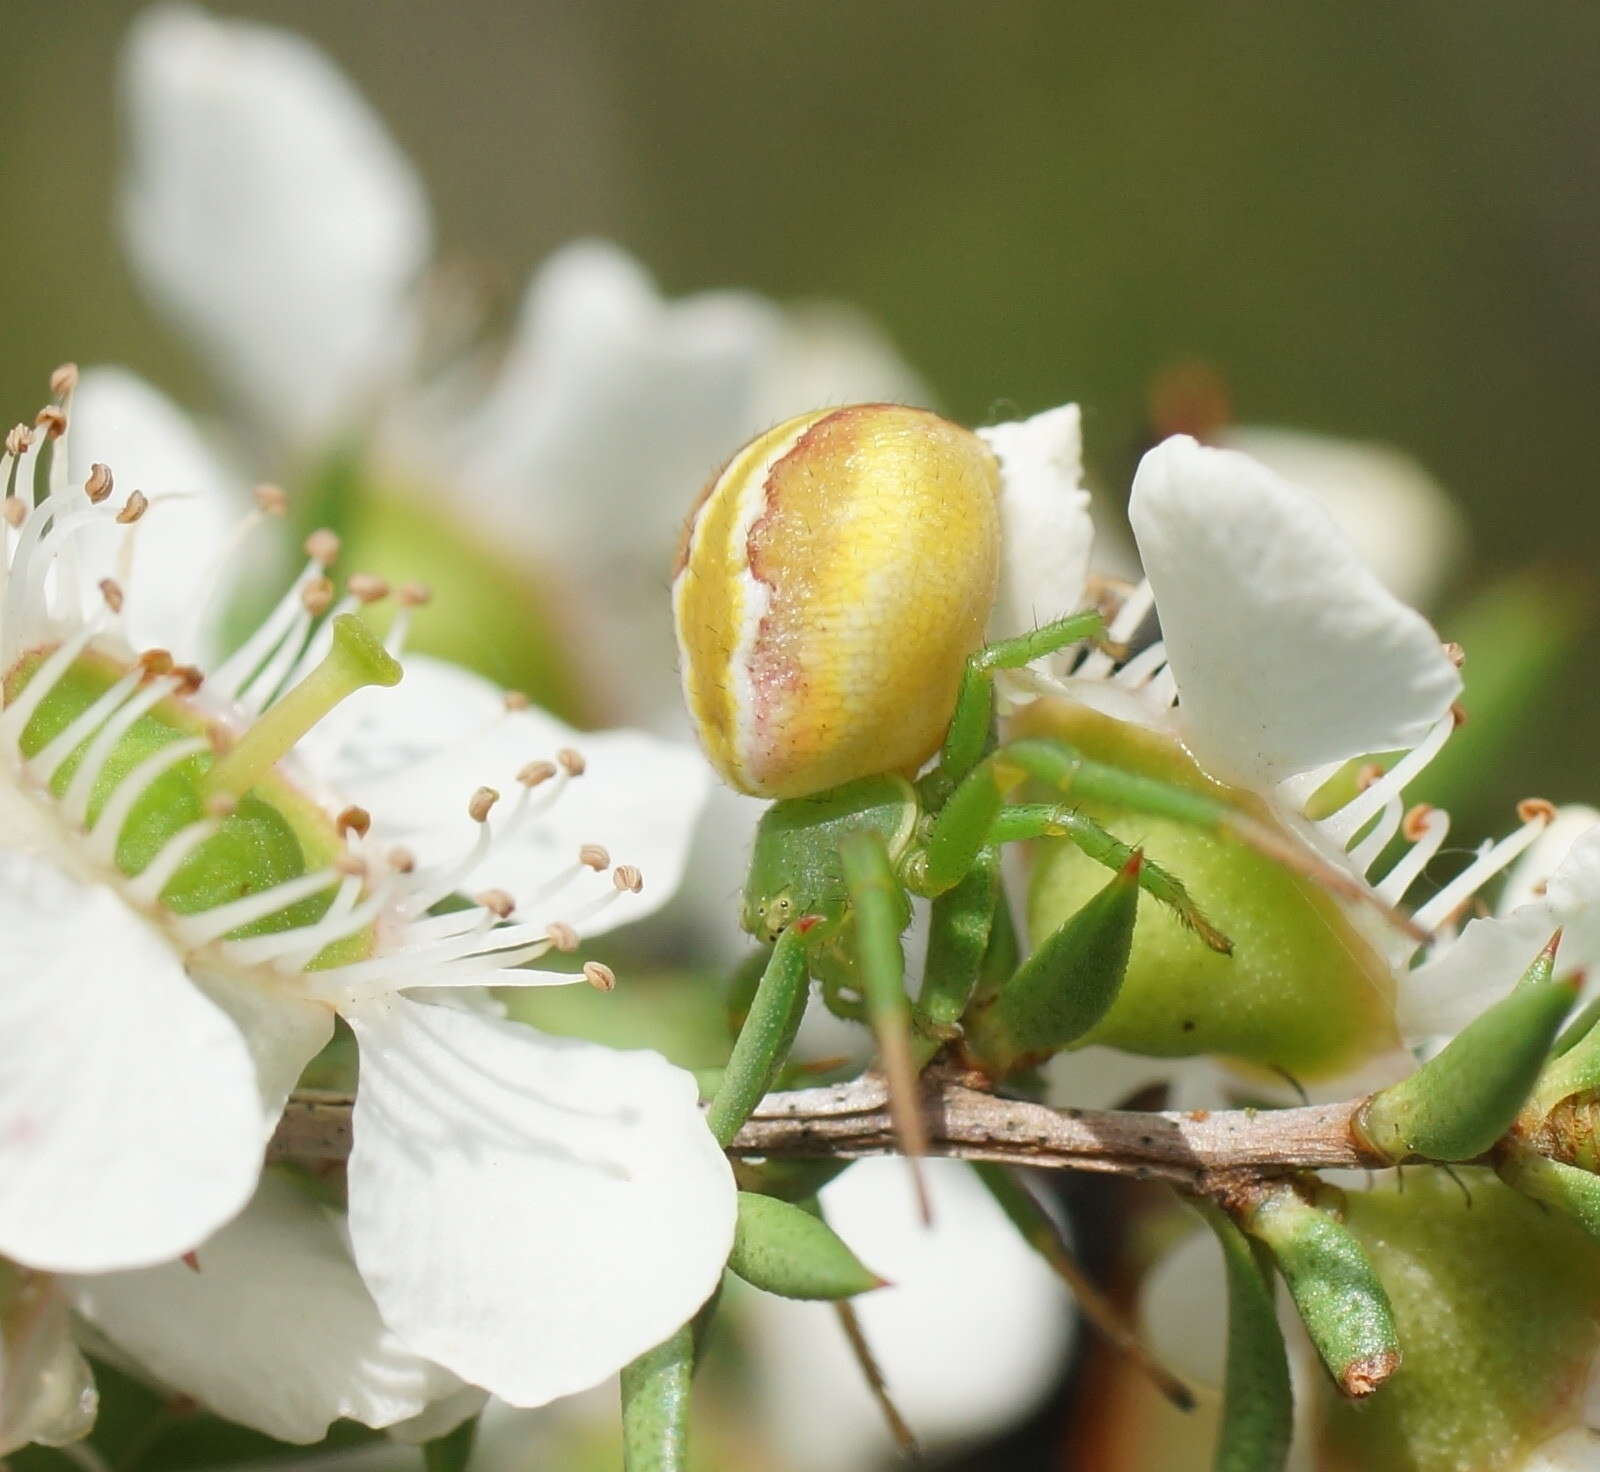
column 784, row 1249
column 1064, row 987
column 1459, row 1103
column 655, row 1406
column 1553, row 1183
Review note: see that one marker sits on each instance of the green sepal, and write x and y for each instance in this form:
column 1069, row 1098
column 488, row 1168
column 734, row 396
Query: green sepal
column 1562, row 1187
column 788, row 1180
column 1257, row 1402
column 1576, row 1070
column 452, row 1451
column 785, row 1249
column 1335, row 1287
column 1582, row 1024
column 655, row 1405
column 1460, row 1102
column 1064, row 987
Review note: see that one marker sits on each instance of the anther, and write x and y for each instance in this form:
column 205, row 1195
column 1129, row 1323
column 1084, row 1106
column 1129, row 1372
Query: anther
column 480, row 804
column 133, row 508
column 15, row 510
column 190, row 677
column 535, row 773
column 52, row 421
column 401, row 860
column 1536, row 810
column 322, row 547
column 1458, row 713
column 414, row 595
column 366, row 587
column 156, row 662
column 593, row 856
column 270, row 499
column 515, row 700
column 64, row 380
column 600, row 976
column 222, row 804
column 99, row 485
column 627, row 878
column 316, row 596
column 562, row 937
column 19, row 440
column 1455, row 653
column 1415, row 822
column 571, row 762
column 353, row 820
column 1368, row 774
column 497, row 902
column 112, row 593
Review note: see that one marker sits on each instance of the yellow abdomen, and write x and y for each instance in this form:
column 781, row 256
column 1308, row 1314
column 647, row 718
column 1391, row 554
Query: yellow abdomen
column 832, row 582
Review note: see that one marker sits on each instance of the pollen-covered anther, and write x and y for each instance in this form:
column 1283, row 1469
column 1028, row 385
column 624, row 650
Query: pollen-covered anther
column 571, row 762
column 515, row 700
column 600, row 976
column 19, row 440
column 627, row 879
column 401, row 860
column 497, row 902
column 64, row 380
column 155, row 662
column 190, row 677
column 562, row 937
column 316, row 596
column 1536, row 810
column 594, row 856
column 52, row 420
column 1415, row 823
column 1455, row 653
column 536, row 773
column 481, row 804
column 133, row 508
column 353, row 820
column 322, row 547
column 15, row 510
column 1370, row 773
column 111, row 591
column 100, row 483
column 270, row 500
column 367, row 587
column 414, row 595
column 1458, row 713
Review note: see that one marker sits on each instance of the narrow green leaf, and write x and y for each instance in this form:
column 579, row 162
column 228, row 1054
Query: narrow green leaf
column 785, row 1249
column 1459, row 1103
column 1257, row 1404
column 1064, row 987
column 655, row 1406
column 1335, row 1288
column 1555, row 1184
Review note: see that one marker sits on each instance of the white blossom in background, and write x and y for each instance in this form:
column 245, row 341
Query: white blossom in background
column 526, row 1212
column 972, row 1331
column 270, row 215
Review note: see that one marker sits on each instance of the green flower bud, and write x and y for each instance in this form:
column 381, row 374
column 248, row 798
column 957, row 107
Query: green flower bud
column 1303, row 991
column 1498, row 1307
column 785, row 1249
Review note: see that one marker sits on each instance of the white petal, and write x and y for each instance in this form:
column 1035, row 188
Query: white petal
column 1183, row 1307
column 972, row 1333
column 532, row 1212
column 831, row 354
column 1574, row 1450
column 1044, row 511
column 1448, row 991
column 275, row 1330
column 1398, row 518
column 1528, row 878
column 47, row 1392
column 442, row 1417
column 268, row 210
column 1287, row 651
column 105, row 1159
column 283, row 1032
column 419, row 752
column 120, row 420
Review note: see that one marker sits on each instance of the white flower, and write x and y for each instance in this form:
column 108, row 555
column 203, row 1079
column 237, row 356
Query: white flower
column 970, row 1334
column 268, row 211
column 46, row 1391
column 183, row 927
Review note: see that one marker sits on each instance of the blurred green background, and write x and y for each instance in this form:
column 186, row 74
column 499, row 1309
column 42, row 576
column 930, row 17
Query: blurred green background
column 1378, row 220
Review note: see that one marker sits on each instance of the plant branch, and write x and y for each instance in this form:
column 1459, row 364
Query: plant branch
column 851, row 1120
